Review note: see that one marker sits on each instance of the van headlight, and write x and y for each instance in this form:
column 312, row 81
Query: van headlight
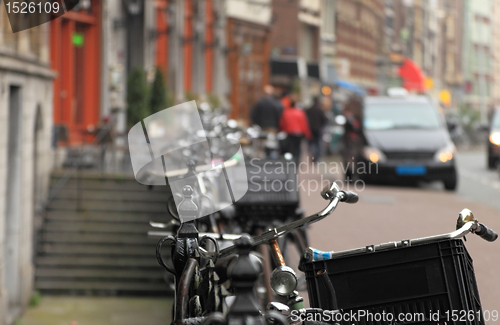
column 495, row 138
column 283, row 280
column 374, row 155
column 445, row 154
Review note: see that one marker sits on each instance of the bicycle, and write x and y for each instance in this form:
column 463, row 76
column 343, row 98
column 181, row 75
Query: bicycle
column 251, row 215
column 187, row 254
column 326, row 300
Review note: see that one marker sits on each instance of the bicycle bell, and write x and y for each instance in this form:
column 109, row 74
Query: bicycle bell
column 463, row 217
column 283, row 280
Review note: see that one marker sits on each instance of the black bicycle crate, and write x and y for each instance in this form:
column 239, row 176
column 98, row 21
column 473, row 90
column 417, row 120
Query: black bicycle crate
column 272, row 189
column 434, row 281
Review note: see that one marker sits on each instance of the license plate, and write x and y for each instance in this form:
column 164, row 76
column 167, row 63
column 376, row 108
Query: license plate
column 411, row 170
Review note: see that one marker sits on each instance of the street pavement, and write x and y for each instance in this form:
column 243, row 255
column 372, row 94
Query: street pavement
column 60, row 310
column 393, row 213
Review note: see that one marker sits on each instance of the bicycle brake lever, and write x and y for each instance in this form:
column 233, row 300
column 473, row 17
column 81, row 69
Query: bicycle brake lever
column 330, row 191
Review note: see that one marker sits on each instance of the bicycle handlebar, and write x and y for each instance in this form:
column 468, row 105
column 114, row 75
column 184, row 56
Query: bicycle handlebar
column 471, row 226
column 350, row 197
column 486, row 233
column 331, row 193
column 217, row 236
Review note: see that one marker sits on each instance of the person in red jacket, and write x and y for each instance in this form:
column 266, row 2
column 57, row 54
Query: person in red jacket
column 285, row 101
column 294, row 123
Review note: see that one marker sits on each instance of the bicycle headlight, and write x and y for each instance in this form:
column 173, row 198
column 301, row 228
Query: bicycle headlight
column 445, row 154
column 283, row 280
column 374, row 155
column 495, row 138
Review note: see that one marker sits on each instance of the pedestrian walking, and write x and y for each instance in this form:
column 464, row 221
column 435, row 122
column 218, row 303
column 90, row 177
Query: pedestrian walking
column 317, row 121
column 267, row 112
column 294, row 123
column 353, row 135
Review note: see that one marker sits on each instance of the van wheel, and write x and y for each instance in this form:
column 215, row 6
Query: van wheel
column 492, row 162
column 451, row 184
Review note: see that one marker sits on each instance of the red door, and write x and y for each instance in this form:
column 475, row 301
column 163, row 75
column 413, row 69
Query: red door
column 75, row 55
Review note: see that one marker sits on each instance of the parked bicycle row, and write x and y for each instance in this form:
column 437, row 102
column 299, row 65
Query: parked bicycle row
column 235, row 254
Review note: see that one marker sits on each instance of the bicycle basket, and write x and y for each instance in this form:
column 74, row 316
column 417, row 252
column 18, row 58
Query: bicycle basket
column 272, row 190
column 434, row 282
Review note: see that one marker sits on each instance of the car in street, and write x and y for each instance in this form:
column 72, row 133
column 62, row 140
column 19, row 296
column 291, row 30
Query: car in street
column 404, row 137
column 494, row 140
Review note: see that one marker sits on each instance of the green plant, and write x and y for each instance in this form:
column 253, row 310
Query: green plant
column 191, row 96
column 158, row 100
column 213, row 100
column 137, row 97
column 170, row 97
column 35, row 299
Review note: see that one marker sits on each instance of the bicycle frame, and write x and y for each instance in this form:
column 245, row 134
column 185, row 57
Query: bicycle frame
column 332, row 193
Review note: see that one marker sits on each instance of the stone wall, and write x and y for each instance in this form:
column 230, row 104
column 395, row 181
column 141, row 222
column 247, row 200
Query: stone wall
column 25, row 167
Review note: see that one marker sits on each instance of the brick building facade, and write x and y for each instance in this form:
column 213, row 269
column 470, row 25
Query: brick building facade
column 359, row 39
column 295, row 46
column 248, row 38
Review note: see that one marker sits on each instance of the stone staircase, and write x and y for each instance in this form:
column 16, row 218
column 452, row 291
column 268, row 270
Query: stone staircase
column 94, row 237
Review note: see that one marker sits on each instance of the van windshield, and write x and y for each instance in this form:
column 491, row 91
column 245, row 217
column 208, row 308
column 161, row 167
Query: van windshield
column 496, row 120
column 389, row 116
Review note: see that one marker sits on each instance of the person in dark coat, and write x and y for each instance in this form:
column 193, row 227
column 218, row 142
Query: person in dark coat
column 317, row 121
column 353, row 138
column 267, row 111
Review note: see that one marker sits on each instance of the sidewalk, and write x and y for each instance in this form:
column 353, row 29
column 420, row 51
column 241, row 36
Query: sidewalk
column 60, row 310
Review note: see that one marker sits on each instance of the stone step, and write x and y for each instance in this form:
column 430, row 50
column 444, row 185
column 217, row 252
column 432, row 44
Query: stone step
column 94, row 237
column 108, row 274
column 72, row 193
column 105, row 262
column 105, row 205
column 97, row 287
column 92, row 174
column 96, row 227
column 97, row 250
column 103, row 239
column 108, row 184
column 108, row 216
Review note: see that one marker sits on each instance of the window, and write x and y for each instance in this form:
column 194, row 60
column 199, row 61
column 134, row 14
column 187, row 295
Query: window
column 401, row 116
column 328, row 18
column 307, row 45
